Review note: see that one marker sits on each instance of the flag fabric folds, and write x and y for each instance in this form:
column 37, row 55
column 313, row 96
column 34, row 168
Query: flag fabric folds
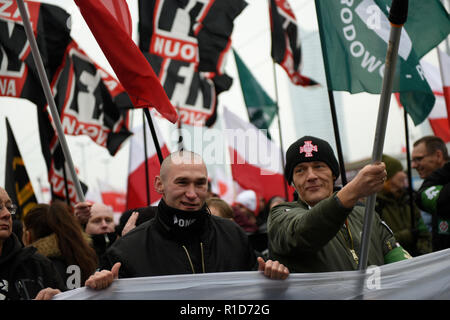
column 132, row 69
column 62, row 186
column 213, row 32
column 438, row 117
column 354, row 36
column 261, row 108
column 89, row 100
column 186, row 47
column 17, row 181
column 255, row 160
column 286, row 47
column 19, row 77
column 119, row 10
column 137, row 184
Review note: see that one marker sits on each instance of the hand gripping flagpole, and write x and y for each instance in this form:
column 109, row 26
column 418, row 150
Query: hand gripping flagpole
column 48, row 95
column 397, row 17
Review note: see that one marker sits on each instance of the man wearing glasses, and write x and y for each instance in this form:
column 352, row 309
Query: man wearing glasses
column 24, row 274
column 430, row 159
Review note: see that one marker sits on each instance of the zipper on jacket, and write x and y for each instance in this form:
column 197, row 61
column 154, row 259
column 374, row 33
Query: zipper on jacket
column 190, row 260
column 350, row 243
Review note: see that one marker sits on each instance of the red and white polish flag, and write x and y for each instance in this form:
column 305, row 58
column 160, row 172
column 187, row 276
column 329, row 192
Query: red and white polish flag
column 255, row 160
column 438, row 116
column 137, row 185
column 223, row 186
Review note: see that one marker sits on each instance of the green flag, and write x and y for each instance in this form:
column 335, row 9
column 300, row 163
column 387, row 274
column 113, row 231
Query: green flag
column 260, row 107
column 355, row 34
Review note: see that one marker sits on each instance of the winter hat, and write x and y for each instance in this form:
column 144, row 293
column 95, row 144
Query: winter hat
column 250, row 200
column 392, row 165
column 308, row 149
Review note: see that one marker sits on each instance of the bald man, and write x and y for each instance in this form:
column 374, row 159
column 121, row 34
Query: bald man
column 101, row 220
column 183, row 238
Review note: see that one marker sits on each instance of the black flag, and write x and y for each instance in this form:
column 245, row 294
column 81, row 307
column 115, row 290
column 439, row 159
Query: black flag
column 17, row 181
column 286, row 47
column 185, row 43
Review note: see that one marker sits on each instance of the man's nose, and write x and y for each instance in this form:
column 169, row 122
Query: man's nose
column 190, row 192
column 4, row 213
column 310, row 174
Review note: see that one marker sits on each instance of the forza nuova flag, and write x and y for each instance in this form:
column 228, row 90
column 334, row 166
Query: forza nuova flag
column 286, row 47
column 186, row 43
column 17, row 181
column 18, row 75
column 355, row 35
column 61, row 183
column 89, row 100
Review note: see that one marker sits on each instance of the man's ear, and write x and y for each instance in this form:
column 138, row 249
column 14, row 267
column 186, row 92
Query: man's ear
column 440, row 155
column 159, row 185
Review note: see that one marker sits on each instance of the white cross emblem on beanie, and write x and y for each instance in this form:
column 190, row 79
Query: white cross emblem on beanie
column 308, row 148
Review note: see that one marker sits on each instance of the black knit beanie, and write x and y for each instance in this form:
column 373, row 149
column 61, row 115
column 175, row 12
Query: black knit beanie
column 308, row 149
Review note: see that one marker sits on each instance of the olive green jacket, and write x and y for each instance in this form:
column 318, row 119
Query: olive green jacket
column 317, row 239
column 396, row 212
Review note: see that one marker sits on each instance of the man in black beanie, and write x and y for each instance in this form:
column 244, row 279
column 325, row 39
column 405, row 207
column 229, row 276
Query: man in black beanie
column 321, row 231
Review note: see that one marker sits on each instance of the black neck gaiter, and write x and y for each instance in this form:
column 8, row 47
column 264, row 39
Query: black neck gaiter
column 182, row 223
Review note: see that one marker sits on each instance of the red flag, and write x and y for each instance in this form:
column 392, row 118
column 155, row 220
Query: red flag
column 131, row 67
column 255, row 160
column 119, row 9
column 438, row 117
column 137, row 185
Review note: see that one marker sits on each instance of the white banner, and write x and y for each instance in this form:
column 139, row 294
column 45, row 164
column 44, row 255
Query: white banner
column 423, row 277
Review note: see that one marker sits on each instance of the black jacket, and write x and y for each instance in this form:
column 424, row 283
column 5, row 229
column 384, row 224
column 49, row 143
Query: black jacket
column 434, row 198
column 24, row 272
column 154, row 249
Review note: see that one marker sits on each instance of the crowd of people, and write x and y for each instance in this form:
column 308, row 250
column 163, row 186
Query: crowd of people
column 191, row 230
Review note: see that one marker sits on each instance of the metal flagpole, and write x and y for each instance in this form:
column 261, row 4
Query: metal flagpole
column 279, row 129
column 397, row 17
column 48, row 95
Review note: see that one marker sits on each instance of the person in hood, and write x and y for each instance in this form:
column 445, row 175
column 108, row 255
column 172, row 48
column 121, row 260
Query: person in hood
column 321, row 231
column 246, row 209
column 24, row 273
column 183, row 238
column 394, row 205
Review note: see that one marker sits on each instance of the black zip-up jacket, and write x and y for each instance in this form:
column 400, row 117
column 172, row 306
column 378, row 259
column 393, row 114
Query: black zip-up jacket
column 434, row 198
column 154, row 249
column 24, row 272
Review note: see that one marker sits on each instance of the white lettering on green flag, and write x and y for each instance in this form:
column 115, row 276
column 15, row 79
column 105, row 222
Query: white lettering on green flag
column 355, row 35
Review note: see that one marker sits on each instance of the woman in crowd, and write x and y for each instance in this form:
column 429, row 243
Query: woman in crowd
column 57, row 234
